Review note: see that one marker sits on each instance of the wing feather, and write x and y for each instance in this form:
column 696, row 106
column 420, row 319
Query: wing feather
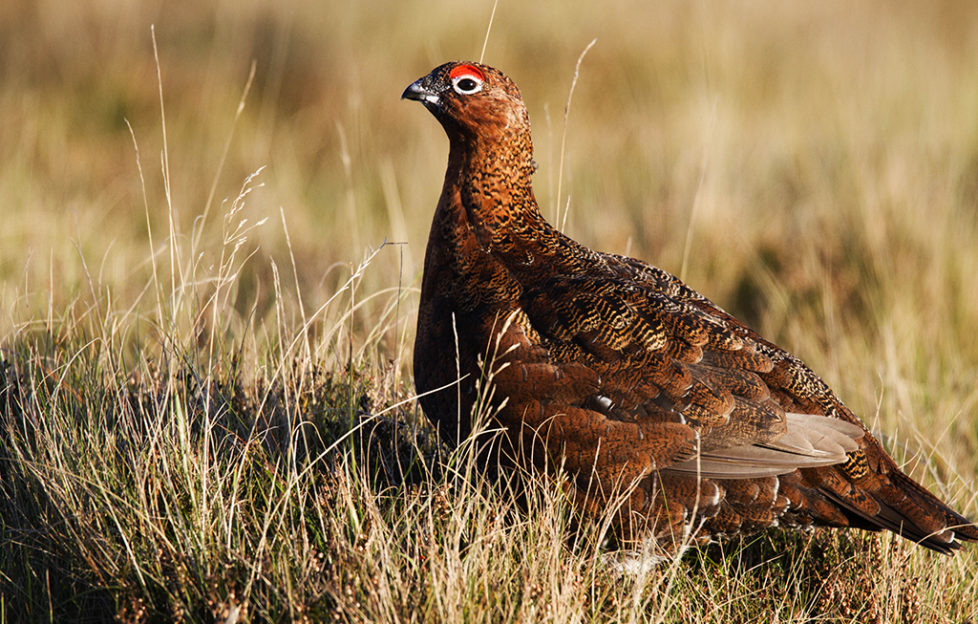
column 810, row 441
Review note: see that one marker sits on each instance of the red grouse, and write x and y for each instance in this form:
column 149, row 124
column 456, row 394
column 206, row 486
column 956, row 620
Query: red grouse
column 648, row 395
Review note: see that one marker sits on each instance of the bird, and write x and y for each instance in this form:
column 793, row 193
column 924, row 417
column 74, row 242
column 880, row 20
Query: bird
column 664, row 413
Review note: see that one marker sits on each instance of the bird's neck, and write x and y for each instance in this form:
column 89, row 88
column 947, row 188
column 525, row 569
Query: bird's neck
column 489, row 183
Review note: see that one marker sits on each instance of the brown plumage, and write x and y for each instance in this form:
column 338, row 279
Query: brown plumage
column 637, row 386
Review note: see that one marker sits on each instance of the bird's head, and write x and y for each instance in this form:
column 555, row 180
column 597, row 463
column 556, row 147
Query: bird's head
column 471, row 100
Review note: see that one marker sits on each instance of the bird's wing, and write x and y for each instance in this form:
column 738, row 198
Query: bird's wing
column 810, row 441
column 665, row 361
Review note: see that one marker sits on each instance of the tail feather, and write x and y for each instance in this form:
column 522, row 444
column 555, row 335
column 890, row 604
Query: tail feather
column 909, row 510
column 961, row 527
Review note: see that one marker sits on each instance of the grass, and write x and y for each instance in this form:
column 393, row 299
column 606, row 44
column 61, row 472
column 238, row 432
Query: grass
column 207, row 408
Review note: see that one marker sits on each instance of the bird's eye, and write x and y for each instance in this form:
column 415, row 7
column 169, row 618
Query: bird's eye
column 467, row 85
column 466, row 79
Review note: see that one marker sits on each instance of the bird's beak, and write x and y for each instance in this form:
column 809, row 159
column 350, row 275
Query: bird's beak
column 417, row 91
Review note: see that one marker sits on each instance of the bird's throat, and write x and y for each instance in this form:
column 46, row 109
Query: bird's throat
column 493, row 187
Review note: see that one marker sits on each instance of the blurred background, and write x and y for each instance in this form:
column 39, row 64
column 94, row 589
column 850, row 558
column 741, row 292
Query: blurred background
column 812, row 167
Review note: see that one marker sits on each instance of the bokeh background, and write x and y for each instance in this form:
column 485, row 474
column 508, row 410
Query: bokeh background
column 812, row 167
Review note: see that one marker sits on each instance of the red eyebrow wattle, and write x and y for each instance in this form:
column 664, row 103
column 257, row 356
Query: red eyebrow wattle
column 460, row 71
